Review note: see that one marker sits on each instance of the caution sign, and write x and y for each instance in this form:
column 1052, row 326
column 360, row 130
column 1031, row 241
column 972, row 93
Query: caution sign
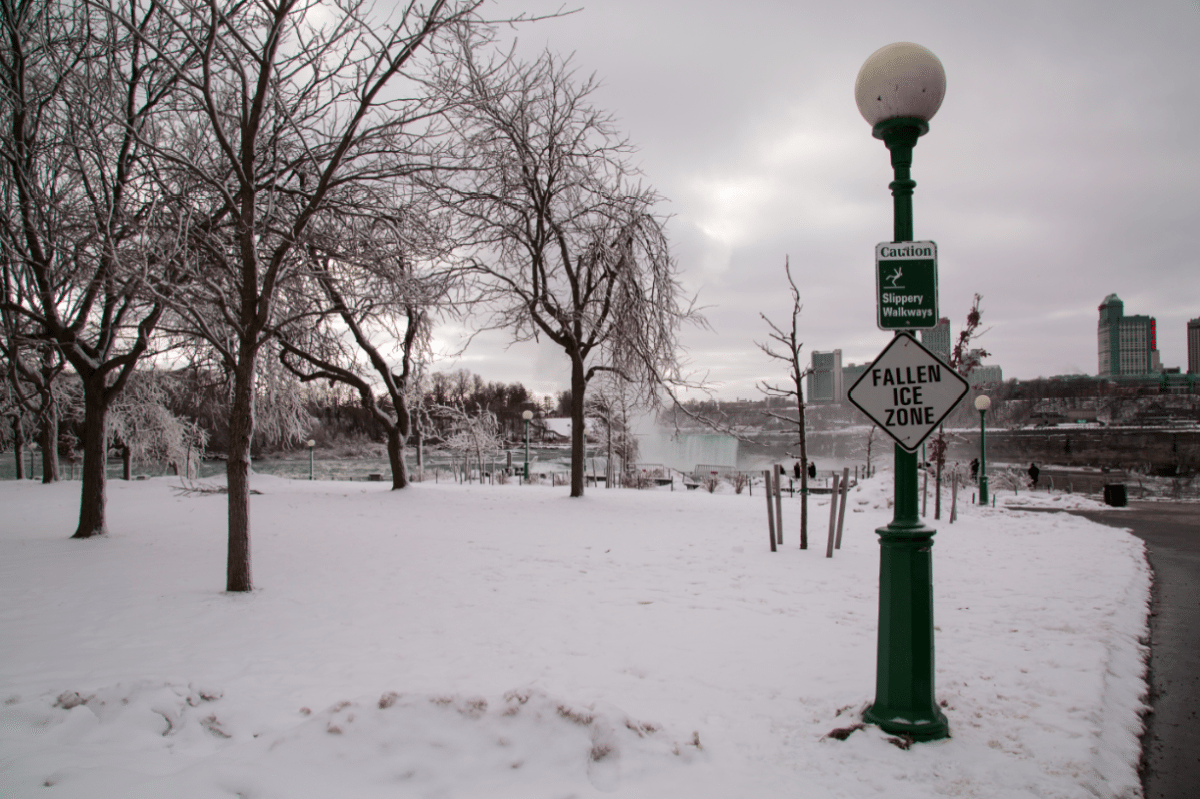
column 906, row 285
column 907, row 391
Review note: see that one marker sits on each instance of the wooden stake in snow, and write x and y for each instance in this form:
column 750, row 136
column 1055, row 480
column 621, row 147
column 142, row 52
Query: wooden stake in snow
column 842, row 506
column 832, row 515
column 770, row 508
column 953, row 497
column 924, row 491
column 778, row 504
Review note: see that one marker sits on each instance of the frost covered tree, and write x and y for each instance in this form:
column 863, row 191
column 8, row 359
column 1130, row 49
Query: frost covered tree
column 286, row 113
column 612, row 401
column 17, row 428
column 31, row 395
column 364, row 318
column 472, row 435
column 87, row 258
column 569, row 245
column 144, row 428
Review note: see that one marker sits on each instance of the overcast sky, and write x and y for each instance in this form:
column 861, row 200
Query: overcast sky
column 1064, row 165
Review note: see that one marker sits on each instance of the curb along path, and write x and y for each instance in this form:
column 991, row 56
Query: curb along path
column 1171, row 744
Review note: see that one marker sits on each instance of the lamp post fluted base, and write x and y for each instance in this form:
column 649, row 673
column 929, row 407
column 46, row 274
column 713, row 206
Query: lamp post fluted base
column 904, row 684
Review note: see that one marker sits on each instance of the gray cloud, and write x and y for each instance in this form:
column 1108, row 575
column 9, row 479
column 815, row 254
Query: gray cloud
column 1061, row 167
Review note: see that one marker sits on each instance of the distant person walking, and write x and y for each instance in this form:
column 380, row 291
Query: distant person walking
column 812, row 470
column 796, row 469
column 975, row 470
column 1034, row 471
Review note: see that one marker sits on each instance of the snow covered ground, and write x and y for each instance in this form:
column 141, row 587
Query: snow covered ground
column 506, row 641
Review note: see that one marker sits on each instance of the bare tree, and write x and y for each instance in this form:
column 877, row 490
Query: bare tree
column 144, row 428
column 569, row 246
column 31, row 370
column 80, row 91
column 476, row 434
column 18, row 428
column 364, row 300
column 288, row 113
column 868, row 446
column 612, row 401
column 786, row 347
column 422, row 422
column 963, row 360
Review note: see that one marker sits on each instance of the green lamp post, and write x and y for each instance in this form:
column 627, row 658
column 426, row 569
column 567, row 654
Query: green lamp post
column 526, row 415
column 898, row 90
column 982, row 403
column 310, row 444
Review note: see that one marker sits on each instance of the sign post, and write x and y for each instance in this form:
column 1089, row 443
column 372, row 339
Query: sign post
column 899, row 88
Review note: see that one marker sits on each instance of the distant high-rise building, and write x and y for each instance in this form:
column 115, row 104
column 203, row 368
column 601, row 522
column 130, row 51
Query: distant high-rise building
column 1193, row 329
column 851, row 372
column 1127, row 345
column 825, row 380
column 937, row 339
column 986, row 376
column 981, row 374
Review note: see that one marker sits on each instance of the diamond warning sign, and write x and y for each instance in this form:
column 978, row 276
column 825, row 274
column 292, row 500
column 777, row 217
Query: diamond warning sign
column 907, row 391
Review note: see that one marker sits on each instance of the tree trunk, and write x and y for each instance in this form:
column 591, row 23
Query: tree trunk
column 937, row 494
column 609, row 474
column 95, row 460
column 420, row 454
column 48, row 441
column 237, row 471
column 18, row 450
column 395, row 448
column 578, row 433
column 404, row 429
column 48, row 432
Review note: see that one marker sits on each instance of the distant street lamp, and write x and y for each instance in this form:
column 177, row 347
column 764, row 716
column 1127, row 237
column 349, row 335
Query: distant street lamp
column 310, row 444
column 527, row 415
column 898, row 90
column 982, row 403
column 33, row 448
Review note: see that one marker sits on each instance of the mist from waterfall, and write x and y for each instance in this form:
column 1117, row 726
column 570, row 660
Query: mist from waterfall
column 685, row 451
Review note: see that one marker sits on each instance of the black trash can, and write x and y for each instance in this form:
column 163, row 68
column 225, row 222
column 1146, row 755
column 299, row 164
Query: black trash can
column 1114, row 495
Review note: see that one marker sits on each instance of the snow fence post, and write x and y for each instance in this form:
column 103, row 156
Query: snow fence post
column 842, row 506
column 770, row 509
column 778, row 504
column 954, row 497
column 832, row 515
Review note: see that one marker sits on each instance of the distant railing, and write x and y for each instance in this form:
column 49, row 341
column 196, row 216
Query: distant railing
column 709, row 468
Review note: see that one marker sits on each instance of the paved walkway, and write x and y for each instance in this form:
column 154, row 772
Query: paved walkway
column 1171, row 745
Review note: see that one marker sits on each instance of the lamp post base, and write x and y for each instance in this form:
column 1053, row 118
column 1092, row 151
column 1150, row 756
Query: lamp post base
column 904, row 667
column 933, row 728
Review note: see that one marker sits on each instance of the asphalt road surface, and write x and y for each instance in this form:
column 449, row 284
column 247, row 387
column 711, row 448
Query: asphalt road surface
column 1171, row 745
